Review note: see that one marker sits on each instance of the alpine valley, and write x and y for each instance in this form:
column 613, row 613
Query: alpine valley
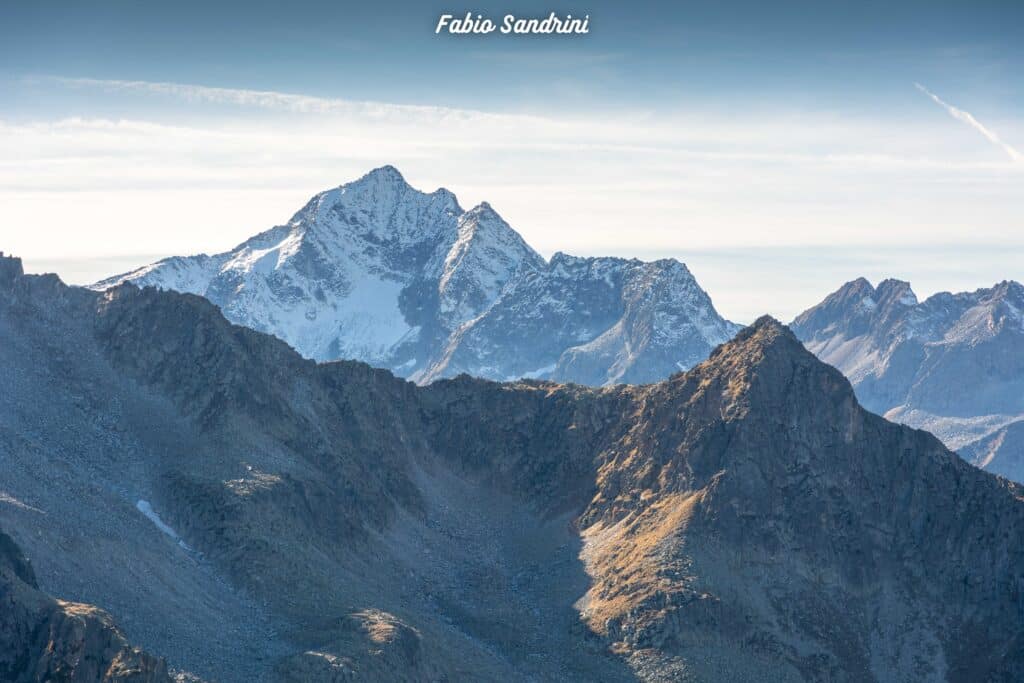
column 379, row 272
column 206, row 503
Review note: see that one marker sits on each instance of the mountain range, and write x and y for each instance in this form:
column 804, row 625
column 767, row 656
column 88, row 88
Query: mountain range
column 243, row 513
column 377, row 271
column 952, row 364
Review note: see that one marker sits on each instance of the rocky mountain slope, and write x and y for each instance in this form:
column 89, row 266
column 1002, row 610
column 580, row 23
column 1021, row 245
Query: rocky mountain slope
column 42, row 639
column 377, row 271
column 953, row 364
column 250, row 514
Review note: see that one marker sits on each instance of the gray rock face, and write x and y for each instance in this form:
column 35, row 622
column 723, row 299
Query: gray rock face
column 377, row 271
column 592, row 321
column 953, row 364
column 1001, row 451
column 745, row 520
column 42, row 639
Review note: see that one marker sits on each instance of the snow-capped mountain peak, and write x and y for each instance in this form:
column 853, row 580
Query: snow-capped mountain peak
column 379, row 271
column 381, row 207
column 897, row 291
column 486, row 254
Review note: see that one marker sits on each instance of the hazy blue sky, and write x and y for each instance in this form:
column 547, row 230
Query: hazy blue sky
column 779, row 148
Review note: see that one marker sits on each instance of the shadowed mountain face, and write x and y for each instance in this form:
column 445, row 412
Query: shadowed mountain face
column 42, row 639
column 250, row 514
column 953, row 364
column 377, row 271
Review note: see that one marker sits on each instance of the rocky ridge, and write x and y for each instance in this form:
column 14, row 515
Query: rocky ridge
column 745, row 519
column 952, row 364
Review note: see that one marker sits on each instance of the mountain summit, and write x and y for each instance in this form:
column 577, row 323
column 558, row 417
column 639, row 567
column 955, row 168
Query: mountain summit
column 952, row 364
column 378, row 271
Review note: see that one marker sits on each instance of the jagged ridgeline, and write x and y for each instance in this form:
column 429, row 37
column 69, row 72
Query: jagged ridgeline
column 377, row 271
column 249, row 514
column 952, row 364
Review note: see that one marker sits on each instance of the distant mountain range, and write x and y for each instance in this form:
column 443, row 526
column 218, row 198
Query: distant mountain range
column 246, row 514
column 952, row 364
column 377, row 271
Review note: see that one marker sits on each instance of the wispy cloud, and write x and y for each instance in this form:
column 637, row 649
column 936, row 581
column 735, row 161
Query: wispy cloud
column 577, row 181
column 285, row 102
column 966, row 117
column 149, row 180
column 790, row 139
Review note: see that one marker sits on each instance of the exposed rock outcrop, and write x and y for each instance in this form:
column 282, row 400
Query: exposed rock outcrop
column 42, row 639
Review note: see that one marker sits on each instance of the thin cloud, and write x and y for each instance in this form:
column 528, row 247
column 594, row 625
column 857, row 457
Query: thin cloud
column 452, row 128
column 288, row 102
column 966, row 117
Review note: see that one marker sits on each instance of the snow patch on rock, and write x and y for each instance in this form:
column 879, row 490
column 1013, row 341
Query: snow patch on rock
column 147, row 510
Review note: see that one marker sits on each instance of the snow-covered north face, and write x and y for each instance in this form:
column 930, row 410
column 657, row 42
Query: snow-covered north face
column 378, row 271
column 952, row 364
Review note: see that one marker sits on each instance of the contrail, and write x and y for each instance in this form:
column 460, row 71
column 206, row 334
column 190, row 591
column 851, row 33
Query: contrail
column 966, row 117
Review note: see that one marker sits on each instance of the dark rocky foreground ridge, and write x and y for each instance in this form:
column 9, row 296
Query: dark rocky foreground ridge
column 746, row 520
